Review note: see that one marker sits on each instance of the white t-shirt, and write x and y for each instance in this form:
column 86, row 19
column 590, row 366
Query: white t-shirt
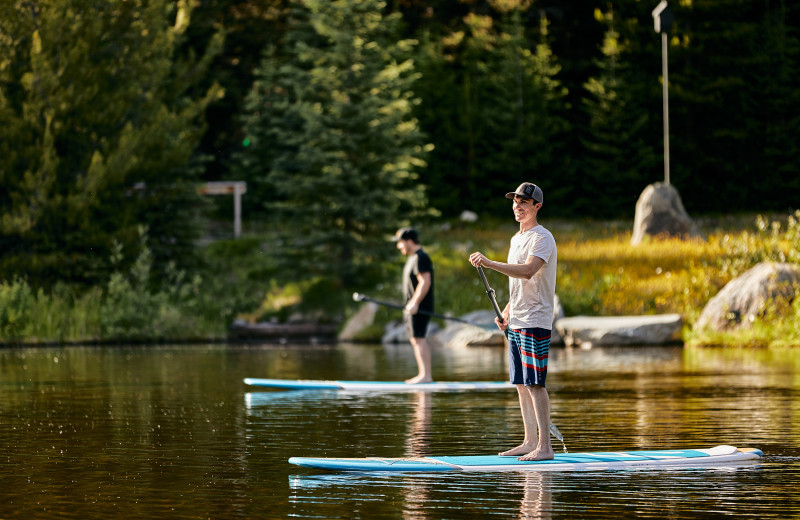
column 532, row 300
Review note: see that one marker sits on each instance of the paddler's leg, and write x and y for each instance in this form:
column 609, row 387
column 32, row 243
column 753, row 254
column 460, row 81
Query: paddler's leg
column 416, row 328
column 516, row 376
column 535, row 351
column 422, row 353
column 541, row 405
column 529, row 420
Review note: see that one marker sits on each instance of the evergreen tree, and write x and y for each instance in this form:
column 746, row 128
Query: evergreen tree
column 510, row 88
column 333, row 142
column 98, row 135
column 734, row 105
column 440, row 117
column 709, row 147
column 250, row 26
column 507, row 116
column 777, row 88
column 618, row 156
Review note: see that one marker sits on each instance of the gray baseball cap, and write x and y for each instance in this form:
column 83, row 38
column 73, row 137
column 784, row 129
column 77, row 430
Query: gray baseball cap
column 527, row 190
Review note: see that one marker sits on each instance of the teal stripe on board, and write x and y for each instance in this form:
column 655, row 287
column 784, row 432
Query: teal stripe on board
column 574, row 458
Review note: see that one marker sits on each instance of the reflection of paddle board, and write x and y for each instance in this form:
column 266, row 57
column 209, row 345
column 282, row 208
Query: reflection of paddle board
column 561, row 462
column 389, row 386
column 256, row 399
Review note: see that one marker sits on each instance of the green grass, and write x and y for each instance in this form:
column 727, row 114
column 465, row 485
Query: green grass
column 599, row 273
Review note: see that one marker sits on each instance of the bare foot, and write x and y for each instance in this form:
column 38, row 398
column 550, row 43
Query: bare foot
column 522, row 449
column 419, row 379
column 538, row 455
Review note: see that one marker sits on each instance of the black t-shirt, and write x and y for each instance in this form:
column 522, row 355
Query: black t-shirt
column 417, row 263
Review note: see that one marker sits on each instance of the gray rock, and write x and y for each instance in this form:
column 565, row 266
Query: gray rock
column 482, row 318
column 588, row 331
column 659, row 211
column 395, row 332
column 558, row 313
column 485, row 331
column 359, row 321
column 468, row 216
column 746, row 297
column 466, row 335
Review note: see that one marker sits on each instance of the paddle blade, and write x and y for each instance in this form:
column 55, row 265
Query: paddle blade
column 555, row 432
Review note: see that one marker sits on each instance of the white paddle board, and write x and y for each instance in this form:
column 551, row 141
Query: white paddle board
column 562, row 462
column 388, row 386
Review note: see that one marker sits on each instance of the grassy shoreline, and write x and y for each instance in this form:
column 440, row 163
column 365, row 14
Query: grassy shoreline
column 599, row 274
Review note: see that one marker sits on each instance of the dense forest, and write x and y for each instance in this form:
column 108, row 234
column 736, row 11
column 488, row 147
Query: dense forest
column 569, row 94
column 349, row 117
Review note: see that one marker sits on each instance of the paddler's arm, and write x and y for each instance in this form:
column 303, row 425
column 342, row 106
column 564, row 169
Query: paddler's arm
column 524, row 271
column 423, row 286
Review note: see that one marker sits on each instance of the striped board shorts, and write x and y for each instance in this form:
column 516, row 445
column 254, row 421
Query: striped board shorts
column 527, row 355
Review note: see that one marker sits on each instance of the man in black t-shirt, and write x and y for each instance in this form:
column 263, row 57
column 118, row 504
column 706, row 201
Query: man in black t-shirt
column 418, row 295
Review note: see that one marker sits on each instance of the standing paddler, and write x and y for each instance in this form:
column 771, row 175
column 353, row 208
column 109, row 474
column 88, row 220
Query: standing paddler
column 528, row 316
column 418, row 295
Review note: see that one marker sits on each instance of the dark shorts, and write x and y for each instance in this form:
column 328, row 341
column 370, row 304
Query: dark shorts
column 528, row 350
column 416, row 325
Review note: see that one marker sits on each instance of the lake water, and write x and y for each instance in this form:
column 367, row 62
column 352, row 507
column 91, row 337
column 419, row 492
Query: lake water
column 172, row 432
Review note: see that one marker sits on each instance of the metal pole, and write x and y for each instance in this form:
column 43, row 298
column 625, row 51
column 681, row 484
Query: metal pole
column 237, row 210
column 664, row 61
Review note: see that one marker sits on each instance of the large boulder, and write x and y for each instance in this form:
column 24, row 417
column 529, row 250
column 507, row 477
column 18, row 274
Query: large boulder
column 660, row 212
column 746, row 297
column 395, row 332
column 482, row 330
column 359, row 321
column 558, row 313
column 589, row 331
column 467, row 335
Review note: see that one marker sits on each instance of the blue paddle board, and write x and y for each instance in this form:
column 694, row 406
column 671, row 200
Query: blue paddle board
column 561, row 462
column 388, row 386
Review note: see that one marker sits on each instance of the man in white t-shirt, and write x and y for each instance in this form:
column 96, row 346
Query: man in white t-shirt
column 528, row 317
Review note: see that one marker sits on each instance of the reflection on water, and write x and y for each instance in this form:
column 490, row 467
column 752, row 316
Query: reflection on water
column 254, row 400
column 428, row 496
column 419, row 425
column 684, row 493
column 536, row 497
column 90, row 432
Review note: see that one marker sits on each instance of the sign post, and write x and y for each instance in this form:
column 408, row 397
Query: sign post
column 237, row 189
column 663, row 19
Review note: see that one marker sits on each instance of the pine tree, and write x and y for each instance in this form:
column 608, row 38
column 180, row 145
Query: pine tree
column 618, row 158
column 332, row 139
column 778, row 113
column 734, row 104
column 500, row 120
column 98, row 134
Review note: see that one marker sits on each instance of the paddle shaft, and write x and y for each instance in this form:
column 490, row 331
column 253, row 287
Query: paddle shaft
column 493, row 298
column 361, row 297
